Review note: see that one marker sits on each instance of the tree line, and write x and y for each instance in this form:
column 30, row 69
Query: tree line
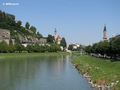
column 109, row 47
column 5, row 48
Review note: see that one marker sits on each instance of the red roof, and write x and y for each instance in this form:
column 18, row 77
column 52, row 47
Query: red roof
column 58, row 37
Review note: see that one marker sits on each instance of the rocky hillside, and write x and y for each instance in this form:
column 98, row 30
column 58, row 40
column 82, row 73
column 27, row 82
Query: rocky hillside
column 22, row 37
column 13, row 29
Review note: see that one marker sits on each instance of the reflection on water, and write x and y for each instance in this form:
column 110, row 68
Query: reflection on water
column 40, row 73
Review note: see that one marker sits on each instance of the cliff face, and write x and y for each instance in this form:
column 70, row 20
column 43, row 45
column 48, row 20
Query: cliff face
column 27, row 38
column 6, row 35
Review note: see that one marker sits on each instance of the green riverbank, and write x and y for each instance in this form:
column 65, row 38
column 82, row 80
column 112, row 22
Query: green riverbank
column 101, row 72
column 6, row 55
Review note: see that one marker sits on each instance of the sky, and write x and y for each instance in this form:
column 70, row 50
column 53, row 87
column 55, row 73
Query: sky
column 78, row 21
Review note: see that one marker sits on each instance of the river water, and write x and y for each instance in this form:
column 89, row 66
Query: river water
column 40, row 73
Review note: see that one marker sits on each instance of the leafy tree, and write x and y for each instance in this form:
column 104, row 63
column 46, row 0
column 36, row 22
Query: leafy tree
column 88, row 49
column 51, row 48
column 94, row 46
column 46, row 48
column 30, row 48
column 12, row 48
column 36, row 48
column 63, row 42
column 115, row 46
column 19, row 47
column 103, row 47
column 9, row 18
column 106, row 47
column 50, row 38
column 3, row 25
column 4, row 47
column 1, row 18
column 19, row 23
column 39, row 35
column 13, row 17
column 56, row 47
column 27, row 25
column 33, row 29
column 70, row 47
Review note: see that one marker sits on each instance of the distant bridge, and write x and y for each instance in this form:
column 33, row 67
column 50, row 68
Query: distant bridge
column 72, row 52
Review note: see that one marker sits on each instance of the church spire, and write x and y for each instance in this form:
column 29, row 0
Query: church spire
column 55, row 30
column 104, row 28
column 105, row 33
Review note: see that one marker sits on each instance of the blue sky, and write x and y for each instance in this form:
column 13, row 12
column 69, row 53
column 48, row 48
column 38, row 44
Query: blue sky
column 78, row 21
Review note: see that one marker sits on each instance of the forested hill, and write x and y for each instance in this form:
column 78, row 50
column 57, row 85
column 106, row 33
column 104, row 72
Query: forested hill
column 18, row 32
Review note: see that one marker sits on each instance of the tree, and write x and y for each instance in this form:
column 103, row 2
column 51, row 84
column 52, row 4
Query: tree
column 39, row 35
column 56, row 47
column 88, row 49
column 11, row 47
column 4, row 47
column 103, row 47
column 106, row 47
column 94, row 47
column 27, row 25
column 19, row 47
column 33, row 29
column 63, row 42
column 46, row 48
column 36, row 48
column 115, row 46
column 19, row 23
column 1, row 18
column 9, row 18
column 50, row 38
column 13, row 17
column 30, row 48
column 70, row 47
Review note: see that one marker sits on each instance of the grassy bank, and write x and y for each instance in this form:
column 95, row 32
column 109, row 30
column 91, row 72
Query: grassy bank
column 5, row 55
column 99, row 69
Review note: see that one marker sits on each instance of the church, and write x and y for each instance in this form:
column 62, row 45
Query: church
column 57, row 37
column 104, row 33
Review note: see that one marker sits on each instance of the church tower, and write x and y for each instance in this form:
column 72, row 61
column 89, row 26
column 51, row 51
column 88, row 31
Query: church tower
column 105, row 33
column 57, row 37
column 55, row 34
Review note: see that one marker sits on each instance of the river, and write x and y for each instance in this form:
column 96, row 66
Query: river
column 40, row 73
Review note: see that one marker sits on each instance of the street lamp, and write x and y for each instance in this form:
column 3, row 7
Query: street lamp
column 81, row 52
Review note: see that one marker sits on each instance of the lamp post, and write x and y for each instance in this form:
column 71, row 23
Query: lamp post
column 81, row 52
